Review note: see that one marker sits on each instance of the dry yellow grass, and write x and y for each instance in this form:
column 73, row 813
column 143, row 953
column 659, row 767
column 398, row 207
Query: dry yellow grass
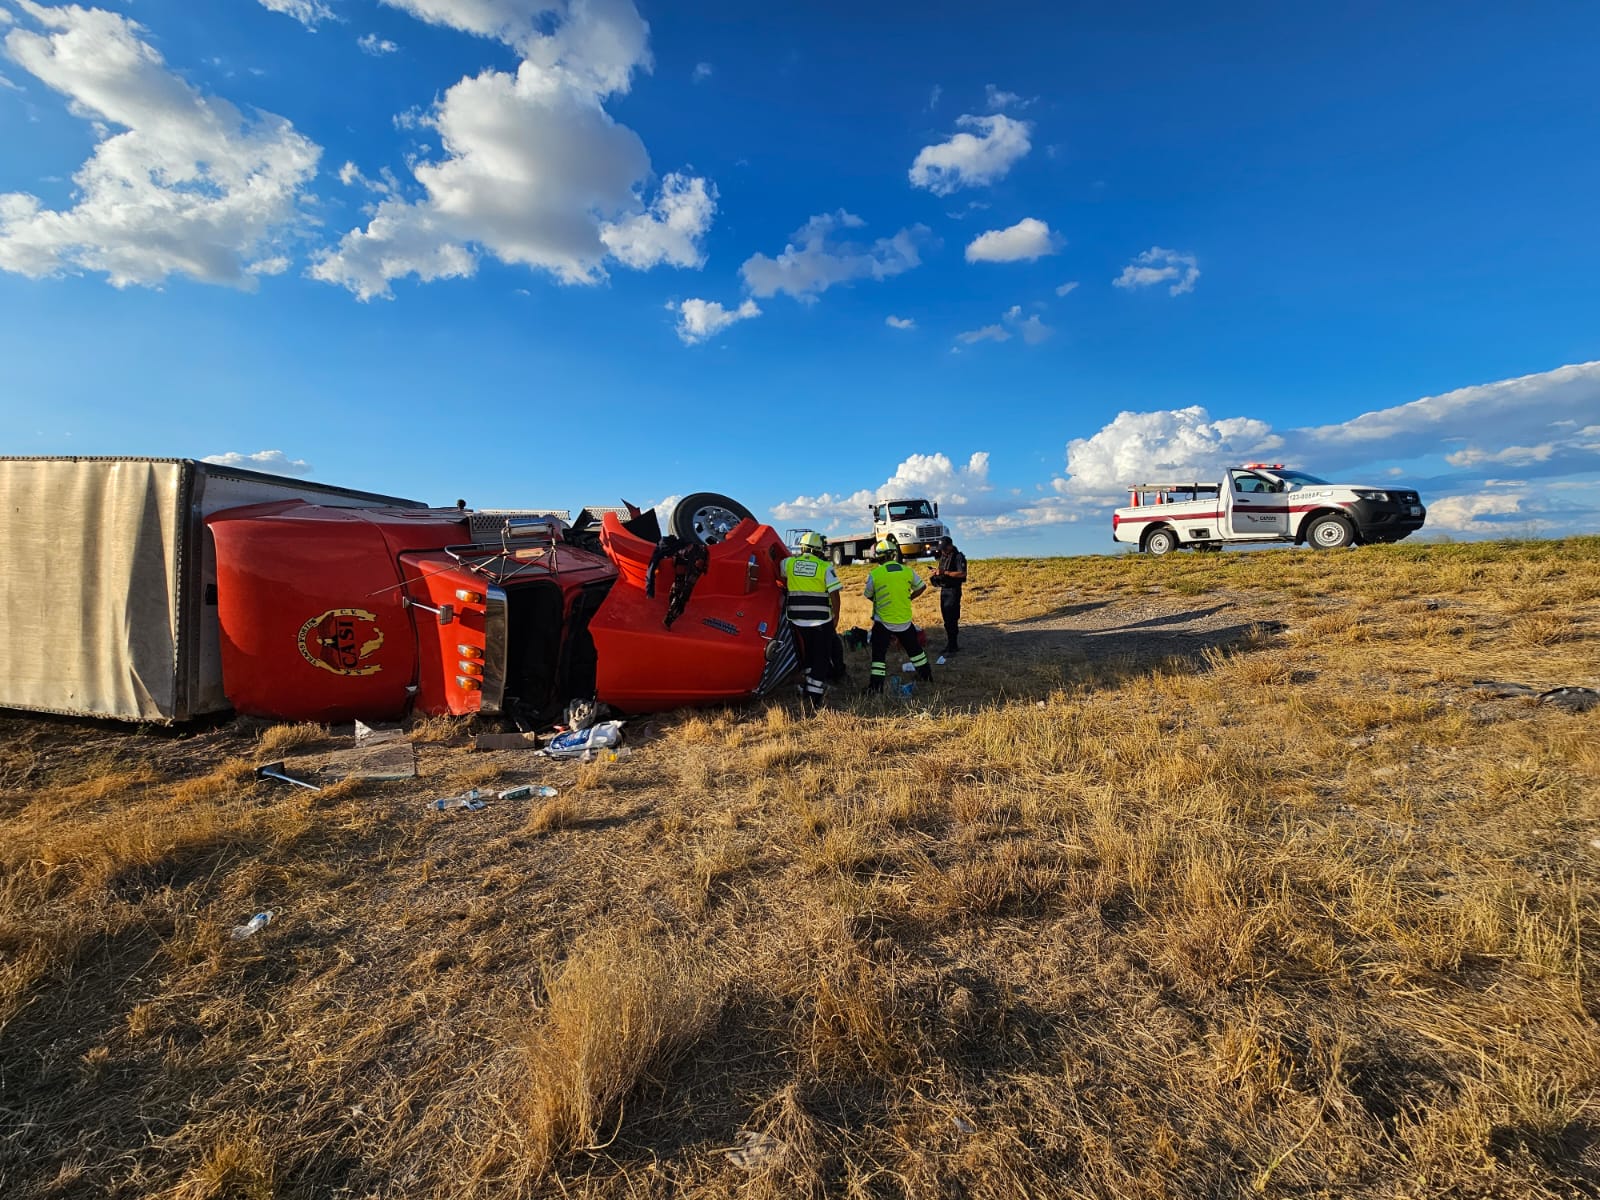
column 1207, row 876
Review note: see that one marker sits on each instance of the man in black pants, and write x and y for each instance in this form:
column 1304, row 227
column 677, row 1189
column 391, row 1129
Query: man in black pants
column 949, row 573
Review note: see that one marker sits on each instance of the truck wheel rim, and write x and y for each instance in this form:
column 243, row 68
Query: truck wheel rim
column 712, row 522
column 1329, row 534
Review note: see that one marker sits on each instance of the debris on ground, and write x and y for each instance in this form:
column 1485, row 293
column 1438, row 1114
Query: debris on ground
column 251, row 927
column 963, row 1125
column 375, row 735
column 472, row 800
column 1497, row 690
column 379, row 759
column 1573, row 699
column 576, row 742
column 277, row 770
column 526, row 791
column 506, row 741
column 755, row 1149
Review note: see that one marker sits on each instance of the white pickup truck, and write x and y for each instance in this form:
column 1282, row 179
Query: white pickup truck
column 1264, row 502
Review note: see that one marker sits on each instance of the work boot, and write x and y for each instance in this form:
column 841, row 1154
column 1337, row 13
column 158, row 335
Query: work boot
column 925, row 673
column 875, row 688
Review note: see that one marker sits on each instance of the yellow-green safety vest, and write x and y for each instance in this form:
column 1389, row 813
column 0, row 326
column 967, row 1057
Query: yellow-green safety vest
column 891, row 593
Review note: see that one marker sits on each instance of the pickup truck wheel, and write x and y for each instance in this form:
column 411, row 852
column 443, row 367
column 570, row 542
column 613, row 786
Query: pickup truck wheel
column 707, row 517
column 1330, row 533
column 838, row 556
column 1161, row 541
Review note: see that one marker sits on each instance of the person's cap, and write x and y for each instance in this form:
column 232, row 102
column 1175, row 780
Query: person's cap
column 945, row 541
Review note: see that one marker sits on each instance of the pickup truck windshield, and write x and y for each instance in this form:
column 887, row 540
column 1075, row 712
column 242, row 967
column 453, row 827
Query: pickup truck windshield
column 910, row 510
column 1300, row 479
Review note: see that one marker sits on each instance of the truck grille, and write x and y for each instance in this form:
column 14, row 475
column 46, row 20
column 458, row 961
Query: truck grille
column 929, row 532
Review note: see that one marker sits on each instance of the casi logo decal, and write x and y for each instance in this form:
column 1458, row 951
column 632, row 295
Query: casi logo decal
column 341, row 640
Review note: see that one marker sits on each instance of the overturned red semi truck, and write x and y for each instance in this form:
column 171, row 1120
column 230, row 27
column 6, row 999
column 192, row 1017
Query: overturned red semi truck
column 304, row 602
column 328, row 614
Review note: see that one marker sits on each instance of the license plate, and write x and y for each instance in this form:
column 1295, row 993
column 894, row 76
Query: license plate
column 1416, row 510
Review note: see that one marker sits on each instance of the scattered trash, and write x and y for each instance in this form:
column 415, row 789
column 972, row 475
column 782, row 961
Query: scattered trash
column 251, row 927
column 907, row 690
column 1595, row 843
column 573, row 743
column 616, row 754
column 963, row 1125
column 1573, row 699
column 755, row 1150
column 275, row 771
column 527, row 791
column 908, row 667
column 505, row 741
column 472, row 800
column 939, row 662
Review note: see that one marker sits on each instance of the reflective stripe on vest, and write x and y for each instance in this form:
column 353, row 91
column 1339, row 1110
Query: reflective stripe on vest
column 805, row 579
column 891, row 594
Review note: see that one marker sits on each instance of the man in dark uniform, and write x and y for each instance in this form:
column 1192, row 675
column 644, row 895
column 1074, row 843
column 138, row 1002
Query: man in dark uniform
column 949, row 573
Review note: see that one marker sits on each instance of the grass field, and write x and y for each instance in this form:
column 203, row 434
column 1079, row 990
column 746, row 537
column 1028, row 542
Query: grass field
column 1278, row 904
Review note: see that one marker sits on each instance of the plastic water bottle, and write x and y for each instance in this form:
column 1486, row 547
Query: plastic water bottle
column 472, row 799
column 526, row 791
column 252, row 927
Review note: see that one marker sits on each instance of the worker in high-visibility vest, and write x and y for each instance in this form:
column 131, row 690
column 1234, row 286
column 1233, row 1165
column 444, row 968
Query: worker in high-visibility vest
column 892, row 586
column 811, row 588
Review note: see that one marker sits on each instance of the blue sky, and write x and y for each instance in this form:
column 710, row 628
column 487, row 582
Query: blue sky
column 532, row 253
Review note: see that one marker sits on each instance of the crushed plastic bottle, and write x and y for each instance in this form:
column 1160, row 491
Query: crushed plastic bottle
column 251, row 927
column 472, row 800
column 610, row 754
column 526, row 791
column 907, row 690
column 908, row 667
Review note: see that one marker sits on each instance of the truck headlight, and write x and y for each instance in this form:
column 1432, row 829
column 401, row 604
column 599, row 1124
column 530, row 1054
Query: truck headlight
column 1384, row 496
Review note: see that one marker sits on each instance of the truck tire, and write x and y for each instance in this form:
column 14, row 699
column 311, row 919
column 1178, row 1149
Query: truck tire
column 707, row 517
column 1330, row 532
column 838, row 556
column 1160, row 541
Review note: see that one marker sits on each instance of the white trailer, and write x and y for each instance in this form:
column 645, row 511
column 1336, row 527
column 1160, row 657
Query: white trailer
column 109, row 581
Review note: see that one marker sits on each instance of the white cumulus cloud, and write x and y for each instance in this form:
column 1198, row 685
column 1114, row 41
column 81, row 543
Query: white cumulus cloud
column 971, row 159
column 956, row 488
column 534, row 171
column 307, row 12
column 274, row 462
column 376, row 46
column 189, row 186
column 894, row 322
column 1157, row 265
column 816, row 258
column 1067, row 288
column 702, row 319
column 670, row 230
column 1029, row 239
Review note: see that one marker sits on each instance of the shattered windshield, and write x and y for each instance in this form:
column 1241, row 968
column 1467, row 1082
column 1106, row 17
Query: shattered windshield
column 910, row 510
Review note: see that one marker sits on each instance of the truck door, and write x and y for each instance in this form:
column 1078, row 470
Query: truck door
column 1256, row 509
